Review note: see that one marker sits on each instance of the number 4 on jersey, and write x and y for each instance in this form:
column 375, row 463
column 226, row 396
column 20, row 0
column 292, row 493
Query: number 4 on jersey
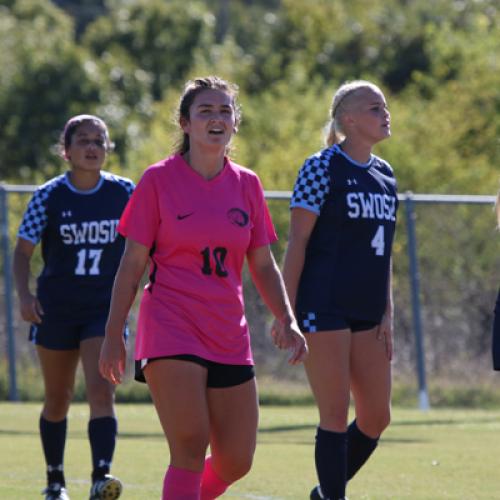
column 378, row 241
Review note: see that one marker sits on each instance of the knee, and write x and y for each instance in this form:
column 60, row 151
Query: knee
column 188, row 448
column 101, row 398
column 376, row 424
column 57, row 403
column 235, row 467
column 333, row 419
column 382, row 422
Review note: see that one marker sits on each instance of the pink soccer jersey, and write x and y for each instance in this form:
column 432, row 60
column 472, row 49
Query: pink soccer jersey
column 199, row 232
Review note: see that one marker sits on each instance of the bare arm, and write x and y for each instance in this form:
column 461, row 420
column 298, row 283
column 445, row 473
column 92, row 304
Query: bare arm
column 301, row 225
column 31, row 310
column 269, row 283
column 128, row 277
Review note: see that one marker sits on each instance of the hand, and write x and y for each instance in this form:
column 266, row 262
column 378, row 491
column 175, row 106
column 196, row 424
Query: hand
column 384, row 332
column 286, row 335
column 31, row 309
column 112, row 359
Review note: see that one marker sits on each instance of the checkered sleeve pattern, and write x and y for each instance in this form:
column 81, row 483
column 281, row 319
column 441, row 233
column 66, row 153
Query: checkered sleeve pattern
column 35, row 218
column 127, row 184
column 313, row 183
column 308, row 322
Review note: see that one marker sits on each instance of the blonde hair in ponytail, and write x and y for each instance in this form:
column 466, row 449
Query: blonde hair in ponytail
column 340, row 103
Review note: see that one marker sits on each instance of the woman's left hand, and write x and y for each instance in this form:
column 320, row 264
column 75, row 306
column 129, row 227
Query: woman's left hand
column 112, row 359
column 384, row 332
column 287, row 335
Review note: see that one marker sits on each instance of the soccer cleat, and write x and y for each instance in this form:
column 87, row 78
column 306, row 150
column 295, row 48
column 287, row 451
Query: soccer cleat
column 55, row 491
column 107, row 488
column 317, row 494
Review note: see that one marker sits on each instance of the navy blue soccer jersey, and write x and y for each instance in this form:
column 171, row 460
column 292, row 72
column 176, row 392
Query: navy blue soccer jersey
column 347, row 261
column 81, row 248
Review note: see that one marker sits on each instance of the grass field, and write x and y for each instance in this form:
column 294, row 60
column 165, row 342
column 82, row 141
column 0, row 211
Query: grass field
column 439, row 454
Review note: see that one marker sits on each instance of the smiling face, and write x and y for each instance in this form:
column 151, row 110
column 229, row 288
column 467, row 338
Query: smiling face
column 212, row 120
column 367, row 116
column 87, row 148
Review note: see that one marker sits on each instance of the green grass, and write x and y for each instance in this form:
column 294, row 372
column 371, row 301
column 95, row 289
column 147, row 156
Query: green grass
column 436, row 455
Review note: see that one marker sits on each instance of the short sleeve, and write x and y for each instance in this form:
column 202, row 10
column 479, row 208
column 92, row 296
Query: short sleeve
column 141, row 218
column 263, row 232
column 35, row 217
column 312, row 185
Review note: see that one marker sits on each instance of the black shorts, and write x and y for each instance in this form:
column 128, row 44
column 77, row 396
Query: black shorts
column 66, row 334
column 310, row 322
column 219, row 375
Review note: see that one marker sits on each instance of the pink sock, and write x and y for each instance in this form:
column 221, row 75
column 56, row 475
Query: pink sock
column 181, row 484
column 212, row 486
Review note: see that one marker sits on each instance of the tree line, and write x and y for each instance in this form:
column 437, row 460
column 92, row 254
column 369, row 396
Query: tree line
column 126, row 61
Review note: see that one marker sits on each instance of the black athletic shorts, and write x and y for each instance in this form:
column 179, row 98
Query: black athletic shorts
column 219, row 375
column 310, row 322
column 66, row 334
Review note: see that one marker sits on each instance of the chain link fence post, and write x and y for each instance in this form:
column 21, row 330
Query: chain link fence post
column 8, row 290
column 414, row 277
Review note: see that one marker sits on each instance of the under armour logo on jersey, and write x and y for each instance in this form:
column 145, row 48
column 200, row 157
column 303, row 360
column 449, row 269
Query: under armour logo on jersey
column 66, row 213
column 351, row 182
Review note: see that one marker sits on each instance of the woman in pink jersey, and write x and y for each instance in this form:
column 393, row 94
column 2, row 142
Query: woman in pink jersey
column 195, row 216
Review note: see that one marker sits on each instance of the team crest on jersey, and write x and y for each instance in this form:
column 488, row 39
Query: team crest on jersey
column 238, row 217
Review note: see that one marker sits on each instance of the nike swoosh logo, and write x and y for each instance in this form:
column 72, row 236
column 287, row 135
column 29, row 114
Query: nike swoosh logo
column 180, row 217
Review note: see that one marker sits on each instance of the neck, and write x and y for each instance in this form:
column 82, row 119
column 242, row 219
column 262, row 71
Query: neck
column 84, row 180
column 207, row 164
column 358, row 150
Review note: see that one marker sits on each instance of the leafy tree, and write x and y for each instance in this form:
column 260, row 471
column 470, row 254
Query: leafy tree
column 161, row 38
column 82, row 11
column 41, row 68
column 46, row 79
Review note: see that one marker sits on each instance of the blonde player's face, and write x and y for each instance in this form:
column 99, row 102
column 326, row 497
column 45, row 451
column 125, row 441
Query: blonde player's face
column 87, row 150
column 370, row 117
column 212, row 120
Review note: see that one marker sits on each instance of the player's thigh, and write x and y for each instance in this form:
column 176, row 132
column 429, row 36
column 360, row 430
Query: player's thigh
column 100, row 392
column 234, row 415
column 58, row 371
column 327, row 368
column 179, row 392
column 370, row 381
column 90, row 350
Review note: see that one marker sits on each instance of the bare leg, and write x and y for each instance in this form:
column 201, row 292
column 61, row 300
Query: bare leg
column 371, row 388
column 370, row 382
column 179, row 392
column 58, row 370
column 234, row 419
column 328, row 371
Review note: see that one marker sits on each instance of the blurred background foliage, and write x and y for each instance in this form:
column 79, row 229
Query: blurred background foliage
column 437, row 62
column 127, row 60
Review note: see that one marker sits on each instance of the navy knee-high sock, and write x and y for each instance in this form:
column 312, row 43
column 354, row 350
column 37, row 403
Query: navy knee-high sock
column 359, row 448
column 102, row 437
column 53, row 435
column 330, row 455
